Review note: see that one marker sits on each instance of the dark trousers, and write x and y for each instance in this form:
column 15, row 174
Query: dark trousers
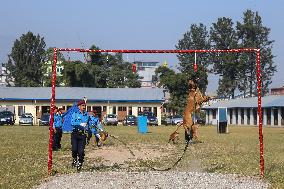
column 89, row 136
column 188, row 136
column 78, row 142
column 57, row 139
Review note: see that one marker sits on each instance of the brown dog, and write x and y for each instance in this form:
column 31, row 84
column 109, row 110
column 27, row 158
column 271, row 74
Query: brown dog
column 103, row 135
column 194, row 102
column 174, row 137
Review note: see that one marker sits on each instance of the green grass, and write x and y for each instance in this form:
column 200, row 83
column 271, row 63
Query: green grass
column 24, row 150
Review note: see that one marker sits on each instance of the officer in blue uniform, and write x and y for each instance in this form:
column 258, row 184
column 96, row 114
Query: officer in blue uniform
column 94, row 128
column 57, row 126
column 79, row 123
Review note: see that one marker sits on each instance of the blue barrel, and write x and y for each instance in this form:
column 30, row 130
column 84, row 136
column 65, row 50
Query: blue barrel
column 142, row 124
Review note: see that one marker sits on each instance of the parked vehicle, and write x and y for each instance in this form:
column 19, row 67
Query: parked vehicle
column 199, row 120
column 26, row 119
column 129, row 120
column 167, row 120
column 176, row 119
column 7, row 117
column 110, row 119
column 44, row 119
column 152, row 120
column 146, row 113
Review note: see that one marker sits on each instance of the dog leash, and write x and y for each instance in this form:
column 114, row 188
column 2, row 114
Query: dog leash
column 131, row 152
column 179, row 159
column 185, row 148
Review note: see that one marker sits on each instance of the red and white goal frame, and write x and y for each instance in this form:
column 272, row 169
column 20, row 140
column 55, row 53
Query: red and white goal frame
column 258, row 76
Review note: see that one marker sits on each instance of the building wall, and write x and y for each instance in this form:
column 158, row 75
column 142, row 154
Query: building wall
column 3, row 76
column 39, row 107
column 146, row 70
column 277, row 91
column 272, row 116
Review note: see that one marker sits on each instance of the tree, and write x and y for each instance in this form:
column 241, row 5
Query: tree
column 176, row 84
column 252, row 34
column 78, row 74
column 25, row 61
column 224, row 36
column 102, row 70
column 196, row 38
column 49, row 54
column 121, row 75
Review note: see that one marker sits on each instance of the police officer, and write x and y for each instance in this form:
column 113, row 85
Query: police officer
column 57, row 126
column 79, row 122
column 94, row 127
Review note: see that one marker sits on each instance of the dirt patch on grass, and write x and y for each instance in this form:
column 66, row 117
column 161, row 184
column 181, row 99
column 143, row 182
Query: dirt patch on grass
column 110, row 155
column 141, row 157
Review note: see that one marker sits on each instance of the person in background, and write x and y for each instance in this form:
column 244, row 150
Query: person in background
column 79, row 121
column 94, row 128
column 57, row 126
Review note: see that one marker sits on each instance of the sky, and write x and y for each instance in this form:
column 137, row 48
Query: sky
column 130, row 24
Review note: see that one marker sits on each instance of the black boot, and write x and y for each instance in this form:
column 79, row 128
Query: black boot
column 79, row 166
column 74, row 163
column 187, row 137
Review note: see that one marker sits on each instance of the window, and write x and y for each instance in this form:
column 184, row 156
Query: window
column 104, row 108
column 21, row 110
column 231, row 116
column 129, row 110
column 248, row 117
column 214, row 113
column 155, row 111
column 242, row 116
column 147, row 109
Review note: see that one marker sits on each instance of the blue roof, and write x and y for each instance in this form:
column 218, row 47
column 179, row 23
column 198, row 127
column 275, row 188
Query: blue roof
column 267, row 101
column 75, row 93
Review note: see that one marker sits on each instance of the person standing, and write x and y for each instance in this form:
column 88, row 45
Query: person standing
column 94, row 128
column 57, row 126
column 79, row 125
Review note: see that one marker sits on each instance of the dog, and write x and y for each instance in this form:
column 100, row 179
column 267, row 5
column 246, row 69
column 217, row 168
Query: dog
column 174, row 137
column 103, row 137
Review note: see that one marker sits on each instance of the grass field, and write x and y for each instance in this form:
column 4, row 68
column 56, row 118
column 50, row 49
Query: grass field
column 24, row 149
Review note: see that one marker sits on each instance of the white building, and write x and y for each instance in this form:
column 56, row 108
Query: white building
column 147, row 71
column 48, row 70
column 119, row 101
column 3, row 76
column 243, row 111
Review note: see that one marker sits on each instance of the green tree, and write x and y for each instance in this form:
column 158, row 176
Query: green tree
column 253, row 34
column 78, row 74
column 49, row 55
column 196, row 38
column 102, row 70
column 25, row 61
column 224, row 36
column 177, row 86
column 121, row 75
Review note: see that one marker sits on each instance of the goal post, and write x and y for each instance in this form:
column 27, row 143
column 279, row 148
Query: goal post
column 258, row 77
